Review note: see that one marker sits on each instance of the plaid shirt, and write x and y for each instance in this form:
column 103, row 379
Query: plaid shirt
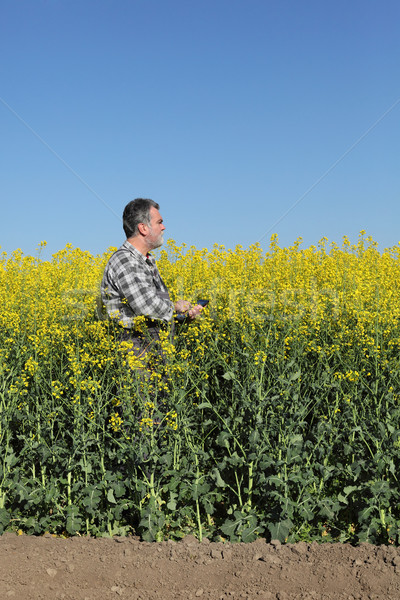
column 132, row 286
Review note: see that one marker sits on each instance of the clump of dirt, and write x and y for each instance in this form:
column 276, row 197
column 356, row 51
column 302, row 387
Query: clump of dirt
column 47, row 568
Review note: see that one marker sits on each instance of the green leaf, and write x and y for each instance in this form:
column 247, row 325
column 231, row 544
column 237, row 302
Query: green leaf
column 152, row 522
column 4, row 519
column 223, row 439
column 217, row 478
column 172, row 502
column 250, row 533
column 229, row 375
column 328, row 508
column 295, row 375
column 205, row 405
column 276, row 481
column 254, row 437
column 92, row 499
column 11, row 460
column 119, row 489
column 349, row 489
column 208, row 505
column 296, row 439
column 198, row 489
column 229, row 529
column 110, row 496
column 74, row 522
column 280, row 531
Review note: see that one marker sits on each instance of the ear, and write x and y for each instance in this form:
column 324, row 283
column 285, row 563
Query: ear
column 142, row 228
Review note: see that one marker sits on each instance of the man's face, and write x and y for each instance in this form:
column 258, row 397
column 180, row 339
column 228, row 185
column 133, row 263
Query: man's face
column 156, row 228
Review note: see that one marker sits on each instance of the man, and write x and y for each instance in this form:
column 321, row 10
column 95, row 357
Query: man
column 132, row 286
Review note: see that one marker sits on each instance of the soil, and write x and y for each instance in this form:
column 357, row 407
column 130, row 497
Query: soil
column 44, row 568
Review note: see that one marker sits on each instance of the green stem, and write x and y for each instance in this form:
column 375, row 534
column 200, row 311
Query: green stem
column 197, row 481
column 69, row 479
column 250, row 485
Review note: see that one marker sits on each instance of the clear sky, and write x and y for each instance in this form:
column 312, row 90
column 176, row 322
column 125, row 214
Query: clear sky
column 242, row 118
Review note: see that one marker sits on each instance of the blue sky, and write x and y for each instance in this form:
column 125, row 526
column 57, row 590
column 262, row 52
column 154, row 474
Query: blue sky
column 229, row 113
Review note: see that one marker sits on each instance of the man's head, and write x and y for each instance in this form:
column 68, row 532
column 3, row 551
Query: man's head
column 142, row 220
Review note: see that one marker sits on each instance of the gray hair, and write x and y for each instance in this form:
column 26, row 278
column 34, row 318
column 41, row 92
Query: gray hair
column 135, row 212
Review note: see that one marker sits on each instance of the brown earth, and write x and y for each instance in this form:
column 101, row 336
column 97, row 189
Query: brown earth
column 46, row 568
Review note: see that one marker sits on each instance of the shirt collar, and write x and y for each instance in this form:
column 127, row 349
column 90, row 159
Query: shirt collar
column 147, row 259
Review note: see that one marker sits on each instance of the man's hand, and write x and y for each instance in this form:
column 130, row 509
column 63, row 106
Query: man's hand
column 195, row 311
column 183, row 306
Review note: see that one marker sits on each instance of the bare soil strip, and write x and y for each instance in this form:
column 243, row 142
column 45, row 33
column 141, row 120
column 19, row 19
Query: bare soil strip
column 47, row 568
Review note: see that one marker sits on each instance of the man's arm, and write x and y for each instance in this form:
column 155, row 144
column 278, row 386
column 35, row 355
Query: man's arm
column 134, row 287
column 138, row 288
column 129, row 290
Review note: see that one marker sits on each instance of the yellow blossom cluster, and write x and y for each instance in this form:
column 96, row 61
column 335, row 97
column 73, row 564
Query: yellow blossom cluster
column 325, row 300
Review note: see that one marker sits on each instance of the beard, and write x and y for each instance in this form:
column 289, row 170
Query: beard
column 156, row 242
column 160, row 240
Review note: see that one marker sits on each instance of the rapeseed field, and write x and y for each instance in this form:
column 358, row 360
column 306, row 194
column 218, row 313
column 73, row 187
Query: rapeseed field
column 275, row 414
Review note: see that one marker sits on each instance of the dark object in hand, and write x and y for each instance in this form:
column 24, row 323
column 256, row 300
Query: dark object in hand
column 203, row 302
